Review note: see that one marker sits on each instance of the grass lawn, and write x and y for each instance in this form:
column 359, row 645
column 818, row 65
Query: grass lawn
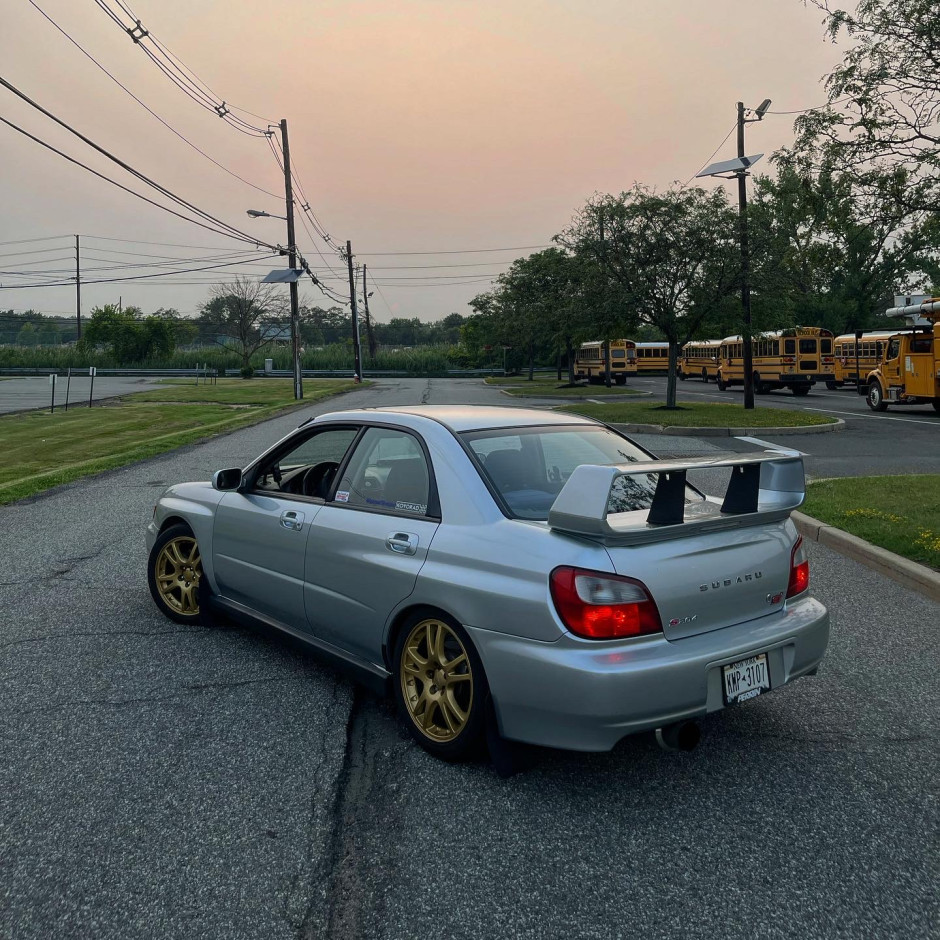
column 41, row 450
column 697, row 415
column 899, row 513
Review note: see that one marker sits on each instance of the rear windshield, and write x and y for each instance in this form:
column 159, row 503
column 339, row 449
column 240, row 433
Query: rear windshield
column 529, row 466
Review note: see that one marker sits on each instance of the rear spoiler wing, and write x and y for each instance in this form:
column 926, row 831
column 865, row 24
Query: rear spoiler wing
column 763, row 488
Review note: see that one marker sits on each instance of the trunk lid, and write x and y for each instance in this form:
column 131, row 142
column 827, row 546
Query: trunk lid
column 712, row 580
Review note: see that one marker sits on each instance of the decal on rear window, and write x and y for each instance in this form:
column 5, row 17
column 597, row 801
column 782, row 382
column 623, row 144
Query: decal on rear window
column 411, row 507
column 342, row 496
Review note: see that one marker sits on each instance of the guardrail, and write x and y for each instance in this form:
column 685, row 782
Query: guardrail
column 259, row 373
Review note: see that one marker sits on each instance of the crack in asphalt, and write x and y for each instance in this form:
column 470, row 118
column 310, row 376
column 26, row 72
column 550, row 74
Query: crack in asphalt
column 70, row 636
column 307, row 902
column 150, row 699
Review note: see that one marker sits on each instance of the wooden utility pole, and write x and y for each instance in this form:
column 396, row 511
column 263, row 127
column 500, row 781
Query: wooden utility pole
column 745, row 266
column 370, row 336
column 292, row 261
column 78, row 293
column 357, row 350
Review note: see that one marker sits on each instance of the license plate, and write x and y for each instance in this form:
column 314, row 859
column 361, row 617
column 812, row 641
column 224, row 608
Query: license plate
column 746, row 679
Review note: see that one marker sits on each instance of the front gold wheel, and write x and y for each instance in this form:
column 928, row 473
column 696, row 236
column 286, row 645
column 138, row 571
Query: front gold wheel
column 177, row 572
column 437, row 682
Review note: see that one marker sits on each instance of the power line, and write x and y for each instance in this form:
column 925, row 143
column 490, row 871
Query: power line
column 712, row 157
column 117, row 280
column 137, row 241
column 178, row 72
column 146, row 107
column 108, row 179
column 232, row 231
column 462, row 251
column 26, row 241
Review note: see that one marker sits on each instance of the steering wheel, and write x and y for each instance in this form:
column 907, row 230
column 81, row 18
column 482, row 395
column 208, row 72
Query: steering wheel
column 316, row 481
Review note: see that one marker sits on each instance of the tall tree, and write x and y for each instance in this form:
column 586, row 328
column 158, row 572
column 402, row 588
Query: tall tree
column 240, row 315
column 882, row 123
column 672, row 255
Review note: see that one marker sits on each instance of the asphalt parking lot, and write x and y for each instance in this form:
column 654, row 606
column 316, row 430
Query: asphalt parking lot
column 172, row 782
column 35, row 391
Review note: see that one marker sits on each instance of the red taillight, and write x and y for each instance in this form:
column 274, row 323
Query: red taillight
column 603, row 606
column 789, row 360
column 799, row 570
column 828, row 360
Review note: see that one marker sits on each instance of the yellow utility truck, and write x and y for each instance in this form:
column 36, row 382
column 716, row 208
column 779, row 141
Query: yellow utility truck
column 909, row 371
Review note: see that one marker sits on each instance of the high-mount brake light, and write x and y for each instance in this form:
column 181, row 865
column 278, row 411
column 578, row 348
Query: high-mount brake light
column 799, row 569
column 600, row 606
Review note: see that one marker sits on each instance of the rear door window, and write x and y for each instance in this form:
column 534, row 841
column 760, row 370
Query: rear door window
column 387, row 472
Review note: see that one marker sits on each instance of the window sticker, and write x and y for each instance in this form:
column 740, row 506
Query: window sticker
column 342, row 496
column 411, row 507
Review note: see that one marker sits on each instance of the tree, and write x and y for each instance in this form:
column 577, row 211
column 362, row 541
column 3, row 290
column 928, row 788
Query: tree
column 672, row 257
column 128, row 334
column 829, row 253
column 239, row 315
column 882, row 123
column 27, row 335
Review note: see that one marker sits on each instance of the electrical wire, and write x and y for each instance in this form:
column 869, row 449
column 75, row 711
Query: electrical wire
column 462, row 251
column 166, row 124
column 232, row 231
column 108, row 179
column 26, row 241
column 712, row 157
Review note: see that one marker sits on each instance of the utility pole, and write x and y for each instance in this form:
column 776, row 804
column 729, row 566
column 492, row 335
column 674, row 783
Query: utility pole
column 745, row 269
column 370, row 336
column 292, row 261
column 600, row 222
column 78, row 293
column 357, row 351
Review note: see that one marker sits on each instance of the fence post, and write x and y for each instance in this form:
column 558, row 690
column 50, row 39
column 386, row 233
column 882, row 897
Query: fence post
column 52, row 378
column 91, row 392
column 68, row 385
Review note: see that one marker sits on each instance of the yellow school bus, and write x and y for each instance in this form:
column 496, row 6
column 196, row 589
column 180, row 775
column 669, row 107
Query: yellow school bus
column 870, row 348
column 699, row 359
column 589, row 361
column 795, row 359
column 652, row 357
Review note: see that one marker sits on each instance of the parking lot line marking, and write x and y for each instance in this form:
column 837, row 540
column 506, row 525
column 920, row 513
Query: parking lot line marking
column 768, row 444
column 861, row 414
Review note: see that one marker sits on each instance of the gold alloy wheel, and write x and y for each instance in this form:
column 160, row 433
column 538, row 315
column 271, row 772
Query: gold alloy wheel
column 436, row 680
column 177, row 571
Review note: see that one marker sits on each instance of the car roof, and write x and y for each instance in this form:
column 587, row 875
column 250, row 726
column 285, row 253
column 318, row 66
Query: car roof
column 465, row 417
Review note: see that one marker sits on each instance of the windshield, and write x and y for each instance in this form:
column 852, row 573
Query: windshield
column 529, row 466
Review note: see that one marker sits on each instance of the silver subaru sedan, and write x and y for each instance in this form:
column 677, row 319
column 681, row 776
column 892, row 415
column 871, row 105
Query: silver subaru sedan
column 523, row 567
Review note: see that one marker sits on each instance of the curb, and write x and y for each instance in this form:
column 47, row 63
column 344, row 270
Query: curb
column 837, row 425
column 912, row 575
column 615, row 399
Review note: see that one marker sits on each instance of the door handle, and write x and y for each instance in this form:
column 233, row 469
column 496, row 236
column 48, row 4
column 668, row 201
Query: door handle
column 402, row 543
column 292, row 519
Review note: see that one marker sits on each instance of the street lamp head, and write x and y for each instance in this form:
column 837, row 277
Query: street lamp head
column 257, row 213
column 761, row 109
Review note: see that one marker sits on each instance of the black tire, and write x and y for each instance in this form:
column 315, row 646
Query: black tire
column 800, row 390
column 936, row 405
column 184, row 598
column 705, row 376
column 437, row 738
column 876, row 397
column 832, row 386
column 722, row 384
column 760, row 388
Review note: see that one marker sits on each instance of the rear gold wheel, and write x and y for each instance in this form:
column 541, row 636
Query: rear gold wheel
column 440, row 685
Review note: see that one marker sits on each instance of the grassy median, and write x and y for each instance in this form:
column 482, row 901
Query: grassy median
column 697, row 415
column 899, row 513
column 41, row 450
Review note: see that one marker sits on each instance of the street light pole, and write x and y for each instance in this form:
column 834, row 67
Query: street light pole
column 292, row 261
column 745, row 269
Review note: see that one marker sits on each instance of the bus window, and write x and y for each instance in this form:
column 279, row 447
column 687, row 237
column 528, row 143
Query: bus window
column 894, row 348
column 807, row 346
column 789, row 346
column 618, row 354
column 825, row 346
column 921, row 345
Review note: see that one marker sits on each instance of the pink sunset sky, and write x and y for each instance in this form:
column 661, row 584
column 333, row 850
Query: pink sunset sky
column 415, row 126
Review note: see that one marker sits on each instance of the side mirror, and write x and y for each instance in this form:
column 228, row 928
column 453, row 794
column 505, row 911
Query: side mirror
column 227, row 479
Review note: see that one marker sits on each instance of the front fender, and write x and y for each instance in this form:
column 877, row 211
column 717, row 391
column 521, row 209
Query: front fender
column 193, row 504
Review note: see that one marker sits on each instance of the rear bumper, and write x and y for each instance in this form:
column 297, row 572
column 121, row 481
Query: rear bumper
column 586, row 696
